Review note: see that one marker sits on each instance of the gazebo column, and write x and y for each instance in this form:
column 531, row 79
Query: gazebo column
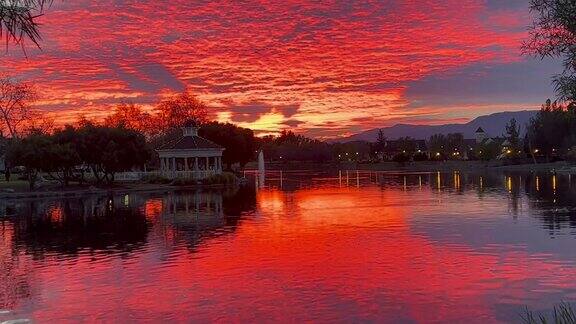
column 185, row 164
column 196, row 164
column 174, row 164
column 207, row 159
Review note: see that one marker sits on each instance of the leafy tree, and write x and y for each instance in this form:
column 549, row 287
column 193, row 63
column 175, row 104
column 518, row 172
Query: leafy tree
column 130, row 116
column 487, row 150
column 420, row 156
column 4, row 143
column 553, row 34
column 407, row 145
column 293, row 147
column 349, row 151
column 447, row 146
column 381, row 141
column 32, row 153
column 513, row 137
column 513, row 133
column 552, row 131
column 401, row 158
column 455, row 144
column 438, row 144
column 61, row 159
column 108, row 150
column 15, row 105
column 239, row 143
column 18, row 19
column 175, row 111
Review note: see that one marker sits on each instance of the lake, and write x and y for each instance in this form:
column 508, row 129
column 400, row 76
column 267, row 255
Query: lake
column 297, row 246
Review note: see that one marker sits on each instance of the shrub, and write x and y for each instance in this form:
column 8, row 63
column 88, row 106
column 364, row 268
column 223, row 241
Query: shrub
column 401, row 158
column 155, row 179
column 421, row 156
column 222, row 178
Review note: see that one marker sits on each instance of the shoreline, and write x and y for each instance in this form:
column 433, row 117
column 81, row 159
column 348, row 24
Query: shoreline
column 423, row 166
column 430, row 166
column 470, row 166
column 121, row 188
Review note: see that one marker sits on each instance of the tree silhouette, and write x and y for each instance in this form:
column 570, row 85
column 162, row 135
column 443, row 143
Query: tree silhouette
column 130, row 116
column 553, row 34
column 15, row 104
column 175, row 111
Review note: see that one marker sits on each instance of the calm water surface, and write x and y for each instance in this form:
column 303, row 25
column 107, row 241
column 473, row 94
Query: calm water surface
column 309, row 246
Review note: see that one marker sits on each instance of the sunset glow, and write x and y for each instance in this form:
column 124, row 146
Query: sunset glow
column 325, row 70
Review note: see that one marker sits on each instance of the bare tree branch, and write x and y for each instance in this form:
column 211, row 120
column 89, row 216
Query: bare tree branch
column 15, row 105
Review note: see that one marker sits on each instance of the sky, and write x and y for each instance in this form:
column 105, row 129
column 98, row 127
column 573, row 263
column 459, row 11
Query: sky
column 320, row 68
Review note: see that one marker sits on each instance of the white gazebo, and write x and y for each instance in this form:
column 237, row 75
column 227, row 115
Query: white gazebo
column 190, row 156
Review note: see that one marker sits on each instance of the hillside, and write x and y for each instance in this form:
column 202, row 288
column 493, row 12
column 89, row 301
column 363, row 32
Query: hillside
column 493, row 125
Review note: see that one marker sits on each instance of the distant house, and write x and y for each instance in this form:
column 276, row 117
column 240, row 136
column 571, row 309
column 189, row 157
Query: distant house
column 480, row 135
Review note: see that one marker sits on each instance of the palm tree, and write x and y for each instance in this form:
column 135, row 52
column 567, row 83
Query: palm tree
column 18, row 20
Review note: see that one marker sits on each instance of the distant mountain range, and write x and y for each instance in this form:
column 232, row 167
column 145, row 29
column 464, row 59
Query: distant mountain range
column 493, row 125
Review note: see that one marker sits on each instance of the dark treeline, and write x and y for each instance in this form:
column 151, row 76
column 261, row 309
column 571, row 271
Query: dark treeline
column 552, row 133
column 292, row 147
column 100, row 149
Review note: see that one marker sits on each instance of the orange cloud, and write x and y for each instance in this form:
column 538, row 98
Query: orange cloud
column 336, row 61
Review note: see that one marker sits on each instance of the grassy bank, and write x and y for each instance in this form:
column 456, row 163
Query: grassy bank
column 17, row 189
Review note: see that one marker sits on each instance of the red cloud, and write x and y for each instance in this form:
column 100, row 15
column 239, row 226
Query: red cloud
column 336, row 61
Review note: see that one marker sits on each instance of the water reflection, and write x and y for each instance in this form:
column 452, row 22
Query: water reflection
column 106, row 225
column 119, row 223
column 349, row 245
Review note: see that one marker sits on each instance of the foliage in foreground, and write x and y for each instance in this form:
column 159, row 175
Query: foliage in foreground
column 562, row 314
column 19, row 19
column 553, row 34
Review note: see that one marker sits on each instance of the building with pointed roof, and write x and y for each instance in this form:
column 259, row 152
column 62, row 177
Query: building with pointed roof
column 480, row 135
column 190, row 156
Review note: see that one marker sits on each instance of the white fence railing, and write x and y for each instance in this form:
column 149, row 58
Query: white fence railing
column 189, row 175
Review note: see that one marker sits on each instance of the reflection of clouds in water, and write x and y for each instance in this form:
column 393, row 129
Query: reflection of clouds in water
column 118, row 223
column 386, row 241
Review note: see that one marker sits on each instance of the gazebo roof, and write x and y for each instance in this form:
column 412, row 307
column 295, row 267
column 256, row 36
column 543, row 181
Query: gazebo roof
column 190, row 143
